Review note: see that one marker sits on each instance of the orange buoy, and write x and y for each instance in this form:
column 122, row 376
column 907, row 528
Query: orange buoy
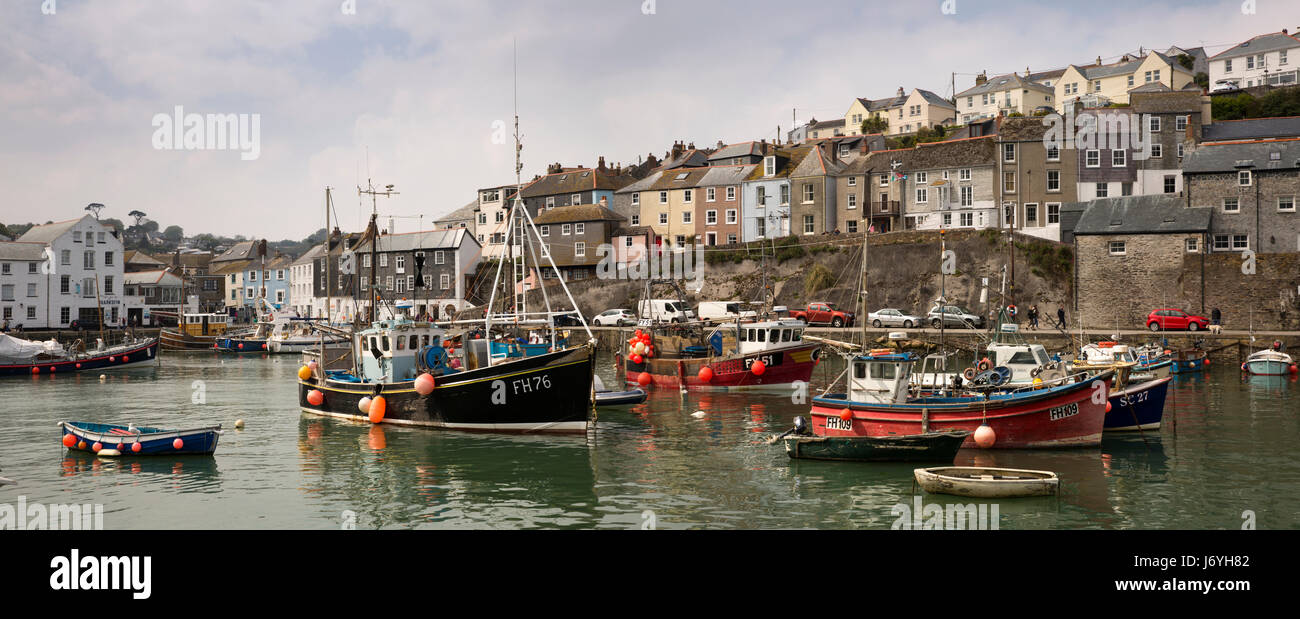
column 644, row 379
column 758, row 368
column 424, row 384
column 378, row 407
column 985, row 436
column 69, row 440
column 120, row 446
column 846, row 415
column 36, row 370
column 1108, row 407
column 706, row 374
column 96, row 447
column 135, row 447
column 81, row 445
column 304, row 373
column 315, row 397
column 178, row 443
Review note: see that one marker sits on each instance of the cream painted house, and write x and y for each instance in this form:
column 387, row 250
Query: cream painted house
column 1097, row 84
column 668, row 205
column 1269, row 59
column 905, row 113
column 1001, row 94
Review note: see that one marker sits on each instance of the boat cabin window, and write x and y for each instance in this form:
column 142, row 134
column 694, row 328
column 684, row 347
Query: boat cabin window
column 415, row 342
column 1042, row 356
column 401, row 343
column 798, row 335
column 1023, row 357
column 426, row 340
column 776, row 335
column 744, row 335
column 884, row 371
column 374, row 342
column 761, row 335
column 385, row 340
column 785, row 335
column 859, row 370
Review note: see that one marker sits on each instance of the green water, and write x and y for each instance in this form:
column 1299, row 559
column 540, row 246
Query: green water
column 1227, row 446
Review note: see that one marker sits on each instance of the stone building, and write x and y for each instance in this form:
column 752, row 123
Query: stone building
column 1253, row 188
column 1033, row 178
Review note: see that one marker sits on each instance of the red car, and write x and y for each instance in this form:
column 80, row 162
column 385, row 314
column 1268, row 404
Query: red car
column 824, row 314
column 1167, row 319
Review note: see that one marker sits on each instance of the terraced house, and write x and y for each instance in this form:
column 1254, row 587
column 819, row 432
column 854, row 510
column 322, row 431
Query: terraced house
column 905, row 112
column 765, row 194
column 947, row 184
column 1033, row 178
column 490, row 218
column 813, row 182
column 573, row 186
column 1116, row 168
column 717, row 220
column 867, row 195
column 1098, row 84
column 572, row 237
column 449, row 256
column 1002, row 95
column 669, row 205
column 1252, row 188
column 1271, row 59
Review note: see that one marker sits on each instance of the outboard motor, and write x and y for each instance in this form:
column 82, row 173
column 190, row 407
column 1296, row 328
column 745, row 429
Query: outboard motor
column 801, row 426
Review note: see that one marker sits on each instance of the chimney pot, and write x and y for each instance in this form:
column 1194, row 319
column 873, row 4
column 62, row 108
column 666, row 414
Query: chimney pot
column 1099, row 61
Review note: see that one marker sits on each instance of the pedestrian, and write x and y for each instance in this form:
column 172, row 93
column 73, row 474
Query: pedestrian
column 5, row 328
column 1216, row 321
column 1060, row 317
column 1033, row 317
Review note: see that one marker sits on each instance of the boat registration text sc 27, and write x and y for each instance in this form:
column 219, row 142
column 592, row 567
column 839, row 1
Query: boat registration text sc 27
column 519, row 386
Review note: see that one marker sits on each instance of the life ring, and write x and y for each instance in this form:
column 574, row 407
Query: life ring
column 984, row 365
column 969, row 374
column 1011, row 309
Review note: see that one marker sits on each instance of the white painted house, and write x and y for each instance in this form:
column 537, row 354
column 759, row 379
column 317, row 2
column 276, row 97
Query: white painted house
column 80, row 272
column 1269, row 59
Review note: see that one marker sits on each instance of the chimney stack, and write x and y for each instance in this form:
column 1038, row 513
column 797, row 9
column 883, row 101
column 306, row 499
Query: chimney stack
column 601, row 164
column 900, row 91
column 1099, row 61
column 982, row 78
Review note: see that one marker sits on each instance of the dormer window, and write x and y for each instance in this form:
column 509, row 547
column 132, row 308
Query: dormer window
column 769, row 166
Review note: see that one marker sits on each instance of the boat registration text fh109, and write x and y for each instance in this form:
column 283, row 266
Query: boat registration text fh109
column 1061, row 412
column 835, row 423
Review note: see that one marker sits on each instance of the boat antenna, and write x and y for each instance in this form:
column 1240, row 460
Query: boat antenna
column 374, row 239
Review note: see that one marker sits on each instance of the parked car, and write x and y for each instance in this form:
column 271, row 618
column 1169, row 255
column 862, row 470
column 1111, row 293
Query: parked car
column 566, row 320
column 89, row 324
column 1225, row 86
column 615, row 318
column 665, row 310
column 1175, row 319
column 894, row 318
column 954, row 316
column 723, row 311
column 823, row 314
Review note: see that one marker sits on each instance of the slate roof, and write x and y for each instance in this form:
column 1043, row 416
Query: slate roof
column 1252, row 129
column 242, row 250
column 580, row 212
column 786, row 160
column 413, row 241
column 1045, row 75
column 691, row 158
column 1094, row 72
column 1149, row 214
column 22, row 250
column 1000, row 83
column 574, row 181
column 827, row 124
column 463, row 213
column 138, row 257
column 742, row 149
column 310, row 255
column 726, row 175
column 642, row 185
column 683, row 178
column 1023, row 128
column 979, row 151
column 1167, row 102
column 46, row 233
column 148, row 278
column 934, row 99
column 817, row 163
column 1270, row 42
column 1229, row 157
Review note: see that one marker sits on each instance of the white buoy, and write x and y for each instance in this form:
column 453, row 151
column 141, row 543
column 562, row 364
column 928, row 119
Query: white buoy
column 239, row 424
column 103, row 377
column 108, row 453
column 699, row 414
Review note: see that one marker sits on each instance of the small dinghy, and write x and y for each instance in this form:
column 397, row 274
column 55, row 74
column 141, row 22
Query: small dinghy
column 987, row 483
column 5, row 481
column 1269, row 362
column 611, row 399
column 927, row 447
column 133, row 441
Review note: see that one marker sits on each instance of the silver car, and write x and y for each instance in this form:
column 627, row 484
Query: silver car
column 615, row 318
column 893, row 318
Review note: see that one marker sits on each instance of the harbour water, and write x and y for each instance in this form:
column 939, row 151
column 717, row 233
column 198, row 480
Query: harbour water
column 1226, row 449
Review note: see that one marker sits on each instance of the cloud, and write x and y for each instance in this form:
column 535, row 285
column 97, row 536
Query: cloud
column 414, row 89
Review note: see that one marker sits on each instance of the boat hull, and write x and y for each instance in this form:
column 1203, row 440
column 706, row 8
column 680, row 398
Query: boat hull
column 284, row 347
column 1188, row 362
column 1267, row 367
column 997, row 486
column 153, row 442
column 620, row 398
column 783, row 367
column 134, row 356
column 1070, row 415
column 548, row 393
column 932, row 447
column 240, row 345
column 1138, row 407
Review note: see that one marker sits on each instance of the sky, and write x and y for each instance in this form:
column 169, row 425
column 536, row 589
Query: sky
column 420, row 94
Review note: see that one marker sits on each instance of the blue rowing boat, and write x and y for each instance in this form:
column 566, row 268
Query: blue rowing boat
column 151, row 441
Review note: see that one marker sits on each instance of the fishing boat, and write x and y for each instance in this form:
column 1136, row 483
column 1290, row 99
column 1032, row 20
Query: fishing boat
column 195, row 331
column 758, row 355
column 25, row 357
column 130, row 440
column 402, row 373
column 1137, row 406
column 800, row 443
column 1269, row 362
column 878, row 402
column 1189, row 360
column 987, row 483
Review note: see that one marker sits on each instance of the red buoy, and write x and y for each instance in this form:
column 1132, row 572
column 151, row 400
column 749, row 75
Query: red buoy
column 135, row 447
column 315, row 397
column 846, row 415
column 69, row 440
column 644, row 379
column 758, row 368
column 96, row 447
column 178, row 443
column 706, row 374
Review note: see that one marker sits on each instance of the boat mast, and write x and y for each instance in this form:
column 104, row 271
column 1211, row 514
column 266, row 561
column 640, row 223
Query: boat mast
column 862, row 286
column 329, row 291
column 374, row 240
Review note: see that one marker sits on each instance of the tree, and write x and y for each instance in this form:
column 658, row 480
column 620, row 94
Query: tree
column 875, row 124
column 115, row 224
column 174, row 234
column 139, row 217
column 1187, row 61
column 95, row 208
column 206, row 242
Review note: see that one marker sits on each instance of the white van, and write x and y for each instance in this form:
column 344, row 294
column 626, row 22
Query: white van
column 714, row 312
column 665, row 310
